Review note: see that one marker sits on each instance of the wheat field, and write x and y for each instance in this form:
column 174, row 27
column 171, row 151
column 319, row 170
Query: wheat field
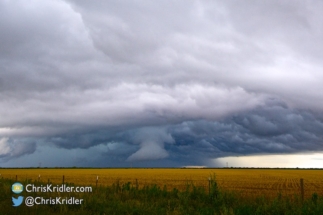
column 249, row 182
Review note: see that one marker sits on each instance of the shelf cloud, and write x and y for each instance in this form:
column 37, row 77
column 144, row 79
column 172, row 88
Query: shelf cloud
column 158, row 83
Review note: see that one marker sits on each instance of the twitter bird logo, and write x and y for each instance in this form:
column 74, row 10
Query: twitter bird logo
column 18, row 201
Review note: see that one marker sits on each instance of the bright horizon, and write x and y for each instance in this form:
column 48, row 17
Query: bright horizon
column 314, row 160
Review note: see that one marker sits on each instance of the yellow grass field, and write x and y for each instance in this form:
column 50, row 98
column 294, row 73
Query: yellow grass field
column 250, row 182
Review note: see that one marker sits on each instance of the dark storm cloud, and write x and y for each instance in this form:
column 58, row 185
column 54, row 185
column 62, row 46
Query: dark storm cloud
column 12, row 148
column 198, row 79
column 270, row 129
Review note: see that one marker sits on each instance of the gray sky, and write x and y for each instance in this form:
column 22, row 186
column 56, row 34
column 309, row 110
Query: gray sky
column 158, row 83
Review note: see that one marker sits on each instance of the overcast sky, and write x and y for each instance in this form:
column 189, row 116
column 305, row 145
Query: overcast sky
column 159, row 83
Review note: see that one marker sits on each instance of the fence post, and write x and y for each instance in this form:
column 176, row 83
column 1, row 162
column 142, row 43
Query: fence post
column 302, row 189
column 209, row 185
column 137, row 184
column 38, row 178
column 97, row 179
column 63, row 179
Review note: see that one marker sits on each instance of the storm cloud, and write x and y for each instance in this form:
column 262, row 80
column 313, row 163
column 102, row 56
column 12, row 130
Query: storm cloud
column 159, row 83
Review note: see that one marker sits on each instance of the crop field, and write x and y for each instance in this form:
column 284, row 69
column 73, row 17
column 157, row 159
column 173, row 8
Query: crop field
column 248, row 182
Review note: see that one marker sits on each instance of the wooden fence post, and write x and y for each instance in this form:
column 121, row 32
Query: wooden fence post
column 16, row 178
column 97, row 179
column 63, row 179
column 302, row 189
column 209, row 185
column 137, row 184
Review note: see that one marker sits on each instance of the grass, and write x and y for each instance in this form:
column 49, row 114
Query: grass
column 126, row 198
